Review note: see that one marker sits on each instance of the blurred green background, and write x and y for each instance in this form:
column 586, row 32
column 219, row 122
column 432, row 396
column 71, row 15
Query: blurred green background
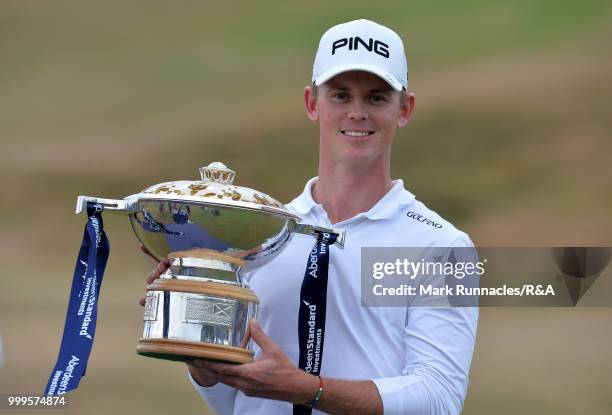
column 511, row 140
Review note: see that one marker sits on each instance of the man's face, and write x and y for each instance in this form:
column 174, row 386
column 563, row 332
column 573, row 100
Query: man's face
column 358, row 113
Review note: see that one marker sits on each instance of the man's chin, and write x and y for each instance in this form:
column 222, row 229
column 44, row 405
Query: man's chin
column 359, row 158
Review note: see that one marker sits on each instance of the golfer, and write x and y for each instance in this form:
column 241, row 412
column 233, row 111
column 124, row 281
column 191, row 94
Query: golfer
column 375, row 360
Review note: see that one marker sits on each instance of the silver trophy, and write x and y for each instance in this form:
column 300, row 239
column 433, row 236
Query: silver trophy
column 212, row 231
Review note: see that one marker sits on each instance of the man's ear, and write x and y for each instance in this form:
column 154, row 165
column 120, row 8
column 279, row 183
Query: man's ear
column 406, row 109
column 310, row 103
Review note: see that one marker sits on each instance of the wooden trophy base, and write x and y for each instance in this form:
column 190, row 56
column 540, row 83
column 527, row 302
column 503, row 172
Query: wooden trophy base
column 181, row 350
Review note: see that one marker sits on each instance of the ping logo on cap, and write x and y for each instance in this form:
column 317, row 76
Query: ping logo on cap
column 353, row 43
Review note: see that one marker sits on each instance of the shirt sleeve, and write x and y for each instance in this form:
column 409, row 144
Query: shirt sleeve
column 439, row 344
column 220, row 398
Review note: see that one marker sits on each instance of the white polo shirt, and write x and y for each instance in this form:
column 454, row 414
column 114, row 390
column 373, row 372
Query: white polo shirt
column 418, row 357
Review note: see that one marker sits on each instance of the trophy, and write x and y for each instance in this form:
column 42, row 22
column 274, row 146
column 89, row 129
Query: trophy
column 212, row 231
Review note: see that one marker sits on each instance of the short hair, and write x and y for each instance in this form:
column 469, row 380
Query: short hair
column 315, row 90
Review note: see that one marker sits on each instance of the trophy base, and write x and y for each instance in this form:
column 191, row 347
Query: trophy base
column 181, row 350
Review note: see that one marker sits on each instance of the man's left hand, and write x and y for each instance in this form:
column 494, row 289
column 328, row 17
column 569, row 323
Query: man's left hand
column 272, row 376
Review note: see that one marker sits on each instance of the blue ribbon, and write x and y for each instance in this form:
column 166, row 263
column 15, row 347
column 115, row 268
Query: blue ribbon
column 80, row 326
column 313, row 303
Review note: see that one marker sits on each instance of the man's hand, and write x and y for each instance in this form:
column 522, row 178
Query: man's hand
column 203, row 376
column 272, row 376
column 156, row 273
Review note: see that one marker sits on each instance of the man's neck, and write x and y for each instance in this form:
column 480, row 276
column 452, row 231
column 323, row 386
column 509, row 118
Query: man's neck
column 345, row 192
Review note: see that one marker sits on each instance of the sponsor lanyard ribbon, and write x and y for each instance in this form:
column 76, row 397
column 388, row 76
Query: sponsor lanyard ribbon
column 81, row 316
column 313, row 302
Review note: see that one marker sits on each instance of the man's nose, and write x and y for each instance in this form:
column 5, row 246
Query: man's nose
column 358, row 112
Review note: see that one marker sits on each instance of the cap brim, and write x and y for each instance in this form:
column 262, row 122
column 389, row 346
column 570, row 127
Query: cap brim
column 381, row 73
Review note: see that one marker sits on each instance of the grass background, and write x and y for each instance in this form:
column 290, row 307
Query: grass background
column 511, row 140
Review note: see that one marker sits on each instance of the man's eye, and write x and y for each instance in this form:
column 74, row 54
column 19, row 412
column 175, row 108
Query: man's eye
column 377, row 98
column 340, row 95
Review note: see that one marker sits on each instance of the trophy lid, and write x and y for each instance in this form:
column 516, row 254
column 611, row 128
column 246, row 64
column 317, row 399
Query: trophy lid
column 216, row 186
column 212, row 214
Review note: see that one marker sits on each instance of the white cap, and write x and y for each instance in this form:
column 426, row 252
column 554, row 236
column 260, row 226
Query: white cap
column 361, row 45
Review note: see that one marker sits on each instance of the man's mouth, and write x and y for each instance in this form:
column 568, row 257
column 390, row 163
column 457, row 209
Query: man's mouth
column 356, row 133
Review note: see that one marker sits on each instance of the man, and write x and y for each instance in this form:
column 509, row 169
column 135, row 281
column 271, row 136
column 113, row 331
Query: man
column 376, row 360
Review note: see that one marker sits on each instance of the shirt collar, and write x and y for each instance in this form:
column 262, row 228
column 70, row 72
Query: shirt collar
column 386, row 207
column 304, row 202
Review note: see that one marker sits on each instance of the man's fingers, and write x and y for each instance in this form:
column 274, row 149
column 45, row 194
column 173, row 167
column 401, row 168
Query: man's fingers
column 152, row 277
column 158, row 271
column 258, row 335
column 202, row 376
column 221, row 374
column 203, row 369
column 211, row 372
column 219, row 368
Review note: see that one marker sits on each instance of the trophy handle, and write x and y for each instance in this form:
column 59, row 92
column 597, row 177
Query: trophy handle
column 121, row 205
column 312, row 230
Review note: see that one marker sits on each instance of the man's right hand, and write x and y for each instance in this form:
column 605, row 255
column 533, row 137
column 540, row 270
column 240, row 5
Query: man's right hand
column 156, row 273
